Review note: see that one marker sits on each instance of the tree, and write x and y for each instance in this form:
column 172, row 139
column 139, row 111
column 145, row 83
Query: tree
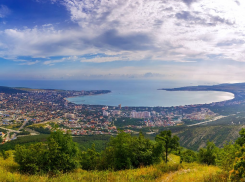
column 125, row 152
column 241, row 140
column 168, row 142
column 188, row 156
column 63, row 153
column 59, row 155
column 207, row 155
column 226, row 156
column 1, row 139
column 143, row 151
column 90, row 159
column 32, row 159
column 238, row 171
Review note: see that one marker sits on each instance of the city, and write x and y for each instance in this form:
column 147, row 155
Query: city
column 39, row 111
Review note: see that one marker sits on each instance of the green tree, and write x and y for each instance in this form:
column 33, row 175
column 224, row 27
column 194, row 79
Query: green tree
column 5, row 154
column 143, row 151
column 188, row 156
column 238, row 172
column 32, row 159
column 63, row 153
column 226, row 156
column 90, row 159
column 168, row 142
column 241, row 140
column 60, row 154
column 125, row 151
column 207, row 155
column 1, row 140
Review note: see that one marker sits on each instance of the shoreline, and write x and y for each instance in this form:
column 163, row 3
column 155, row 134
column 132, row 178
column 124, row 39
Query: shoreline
column 66, row 98
column 234, row 97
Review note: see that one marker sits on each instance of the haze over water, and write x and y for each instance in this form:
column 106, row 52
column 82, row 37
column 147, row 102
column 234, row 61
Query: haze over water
column 129, row 92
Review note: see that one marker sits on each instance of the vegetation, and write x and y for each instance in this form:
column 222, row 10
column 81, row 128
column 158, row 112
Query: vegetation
column 3, row 130
column 9, row 90
column 25, row 140
column 24, row 132
column 172, row 171
column 169, row 143
column 40, row 129
column 13, row 126
column 196, row 137
column 241, row 140
column 59, row 155
column 207, row 155
column 99, row 141
column 188, row 156
column 125, row 158
column 124, row 121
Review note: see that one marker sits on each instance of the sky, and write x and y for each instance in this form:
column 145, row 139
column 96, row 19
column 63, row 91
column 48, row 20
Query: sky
column 123, row 39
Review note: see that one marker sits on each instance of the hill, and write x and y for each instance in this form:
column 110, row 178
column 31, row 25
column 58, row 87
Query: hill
column 9, row 90
column 196, row 137
column 171, row 172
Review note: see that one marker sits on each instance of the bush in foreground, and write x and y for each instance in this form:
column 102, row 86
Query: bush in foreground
column 60, row 154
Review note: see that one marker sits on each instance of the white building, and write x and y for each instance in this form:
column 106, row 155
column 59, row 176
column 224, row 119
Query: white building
column 105, row 113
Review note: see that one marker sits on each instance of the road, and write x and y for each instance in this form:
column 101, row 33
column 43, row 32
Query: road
column 10, row 129
column 22, row 126
column 216, row 118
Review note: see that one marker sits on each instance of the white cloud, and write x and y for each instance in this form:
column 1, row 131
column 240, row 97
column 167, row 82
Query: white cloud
column 155, row 29
column 4, row 11
column 99, row 59
column 183, row 31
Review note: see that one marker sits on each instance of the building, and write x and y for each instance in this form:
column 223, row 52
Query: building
column 144, row 114
column 70, row 116
column 116, row 112
column 105, row 113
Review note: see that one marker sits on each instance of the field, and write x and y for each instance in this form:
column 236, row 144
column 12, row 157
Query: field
column 171, row 172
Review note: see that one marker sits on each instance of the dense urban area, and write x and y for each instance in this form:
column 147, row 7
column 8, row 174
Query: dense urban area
column 34, row 111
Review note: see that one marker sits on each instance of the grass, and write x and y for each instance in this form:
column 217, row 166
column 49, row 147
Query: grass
column 13, row 126
column 173, row 171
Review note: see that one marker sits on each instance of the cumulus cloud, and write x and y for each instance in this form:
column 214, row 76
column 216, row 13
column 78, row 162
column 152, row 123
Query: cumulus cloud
column 183, row 31
column 189, row 2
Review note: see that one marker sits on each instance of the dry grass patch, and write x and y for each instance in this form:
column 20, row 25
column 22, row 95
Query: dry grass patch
column 173, row 171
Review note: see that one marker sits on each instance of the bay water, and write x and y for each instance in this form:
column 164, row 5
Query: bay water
column 128, row 92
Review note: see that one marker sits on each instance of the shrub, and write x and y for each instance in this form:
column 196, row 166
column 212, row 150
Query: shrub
column 226, row 156
column 207, row 155
column 188, row 156
column 59, row 155
column 125, row 152
column 90, row 159
column 33, row 159
column 238, row 171
column 5, row 154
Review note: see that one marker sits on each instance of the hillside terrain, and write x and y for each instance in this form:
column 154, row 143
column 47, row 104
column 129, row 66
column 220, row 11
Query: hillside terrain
column 192, row 138
column 196, row 137
column 9, row 90
column 171, row 172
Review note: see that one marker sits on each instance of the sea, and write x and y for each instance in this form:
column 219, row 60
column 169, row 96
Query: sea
column 131, row 93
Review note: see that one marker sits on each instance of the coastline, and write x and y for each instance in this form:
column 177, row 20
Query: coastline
column 181, row 105
column 84, row 96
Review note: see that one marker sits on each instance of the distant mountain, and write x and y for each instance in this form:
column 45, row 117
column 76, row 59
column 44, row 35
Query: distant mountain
column 9, row 90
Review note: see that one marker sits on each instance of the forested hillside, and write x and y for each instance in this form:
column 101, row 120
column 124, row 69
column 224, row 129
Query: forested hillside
column 9, row 90
column 196, row 137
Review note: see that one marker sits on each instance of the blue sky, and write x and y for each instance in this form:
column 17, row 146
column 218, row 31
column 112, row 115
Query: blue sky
column 123, row 39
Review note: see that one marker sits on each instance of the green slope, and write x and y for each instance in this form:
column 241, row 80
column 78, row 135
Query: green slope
column 9, row 90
